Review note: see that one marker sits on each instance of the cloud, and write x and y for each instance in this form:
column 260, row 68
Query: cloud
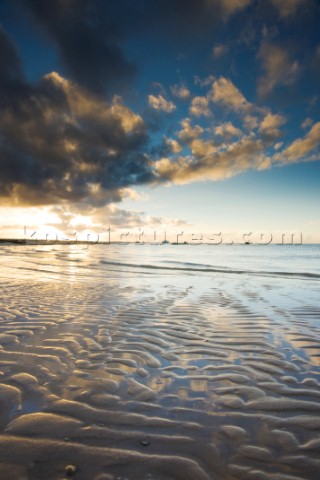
column 232, row 6
column 219, row 50
column 278, row 145
column 115, row 217
column 180, row 91
column 307, row 122
column 288, row 7
column 160, row 103
column 224, row 92
column 227, row 130
column 60, row 143
column 11, row 71
column 228, row 7
column 315, row 63
column 278, row 67
column 173, row 145
column 88, row 40
column 248, row 35
column 188, row 132
column 269, row 127
column 91, row 35
column 214, row 163
column 188, row 20
column 158, row 86
column 76, row 222
column 207, row 158
column 201, row 148
column 200, row 106
column 251, row 122
column 302, row 147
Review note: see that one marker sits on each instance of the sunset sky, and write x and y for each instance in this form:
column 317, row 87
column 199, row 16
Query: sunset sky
column 194, row 115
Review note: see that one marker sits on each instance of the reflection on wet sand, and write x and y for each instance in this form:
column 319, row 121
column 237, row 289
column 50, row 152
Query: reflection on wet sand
column 134, row 376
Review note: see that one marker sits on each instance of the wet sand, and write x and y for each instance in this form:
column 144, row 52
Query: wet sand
column 127, row 374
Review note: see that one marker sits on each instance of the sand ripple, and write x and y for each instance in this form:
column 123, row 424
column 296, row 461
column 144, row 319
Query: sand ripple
column 193, row 379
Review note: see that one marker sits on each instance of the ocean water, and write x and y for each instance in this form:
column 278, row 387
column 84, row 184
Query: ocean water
column 295, row 261
column 160, row 362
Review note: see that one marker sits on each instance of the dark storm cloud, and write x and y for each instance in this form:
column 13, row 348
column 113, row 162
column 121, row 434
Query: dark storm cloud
column 91, row 35
column 11, row 71
column 187, row 17
column 60, row 142
column 88, row 40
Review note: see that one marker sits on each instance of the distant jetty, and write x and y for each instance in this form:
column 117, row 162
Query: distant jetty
column 22, row 241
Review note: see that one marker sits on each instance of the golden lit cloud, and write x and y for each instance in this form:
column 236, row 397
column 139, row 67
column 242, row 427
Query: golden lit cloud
column 228, row 95
column 200, row 106
column 279, row 68
column 173, row 145
column 270, row 125
column 212, row 163
column 227, row 130
column 180, row 91
column 188, row 132
column 84, row 105
column 160, row 103
column 302, row 147
column 201, row 148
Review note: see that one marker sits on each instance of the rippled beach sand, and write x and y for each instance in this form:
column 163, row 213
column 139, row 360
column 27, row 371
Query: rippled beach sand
column 169, row 370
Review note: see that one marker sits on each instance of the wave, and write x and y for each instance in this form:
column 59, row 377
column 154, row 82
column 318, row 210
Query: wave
column 210, row 269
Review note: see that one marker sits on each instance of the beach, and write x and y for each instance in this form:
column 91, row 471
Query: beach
column 160, row 362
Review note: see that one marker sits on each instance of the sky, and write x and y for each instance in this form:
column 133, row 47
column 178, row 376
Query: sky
column 194, row 116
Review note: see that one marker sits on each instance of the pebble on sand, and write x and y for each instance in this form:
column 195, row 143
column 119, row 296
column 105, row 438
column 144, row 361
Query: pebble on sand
column 70, row 469
column 145, row 443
